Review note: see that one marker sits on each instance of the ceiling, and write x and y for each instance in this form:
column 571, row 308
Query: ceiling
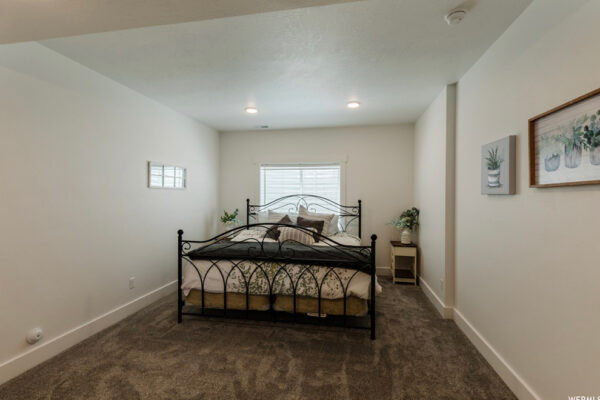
column 27, row 20
column 299, row 67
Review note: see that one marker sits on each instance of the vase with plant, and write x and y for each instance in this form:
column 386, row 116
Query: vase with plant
column 551, row 149
column 591, row 138
column 494, row 161
column 406, row 223
column 230, row 220
column 573, row 141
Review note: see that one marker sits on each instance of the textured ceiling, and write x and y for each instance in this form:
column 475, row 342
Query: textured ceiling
column 26, row 20
column 300, row 67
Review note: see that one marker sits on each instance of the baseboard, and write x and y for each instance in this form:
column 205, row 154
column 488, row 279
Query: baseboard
column 38, row 354
column 445, row 311
column 384, row 271
column 512, row 379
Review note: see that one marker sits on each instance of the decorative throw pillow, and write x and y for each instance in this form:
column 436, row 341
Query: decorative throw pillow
column 296, row 235
column 317, row 225
column 326, row 218
column 273, row 231
column 274, row 216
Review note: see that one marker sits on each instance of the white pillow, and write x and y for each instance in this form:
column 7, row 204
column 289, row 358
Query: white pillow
column 249, row 234
column 274, row 217
column 328, row 220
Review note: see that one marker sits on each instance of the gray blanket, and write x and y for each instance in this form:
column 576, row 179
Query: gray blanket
column 335, row 256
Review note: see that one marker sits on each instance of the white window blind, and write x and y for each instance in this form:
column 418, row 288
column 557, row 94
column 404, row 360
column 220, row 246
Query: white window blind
column 288, row 179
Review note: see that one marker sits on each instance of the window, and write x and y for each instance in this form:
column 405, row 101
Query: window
column 287, row 179
column 165, row 176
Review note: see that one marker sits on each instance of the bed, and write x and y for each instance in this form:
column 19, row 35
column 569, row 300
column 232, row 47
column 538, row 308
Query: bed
column 284, row 265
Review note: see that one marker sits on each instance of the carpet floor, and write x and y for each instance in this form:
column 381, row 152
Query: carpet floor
column 417, row 355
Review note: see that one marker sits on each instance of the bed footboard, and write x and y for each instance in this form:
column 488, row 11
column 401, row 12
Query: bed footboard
column 275, row 267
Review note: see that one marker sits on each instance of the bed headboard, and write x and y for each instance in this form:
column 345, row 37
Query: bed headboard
column 317, row 204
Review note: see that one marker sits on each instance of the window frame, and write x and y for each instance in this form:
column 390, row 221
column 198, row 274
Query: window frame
column 165, row 165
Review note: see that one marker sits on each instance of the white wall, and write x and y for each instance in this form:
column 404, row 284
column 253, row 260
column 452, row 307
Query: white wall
column 77, row 219
column 377, row 160
column 528, row 275
column 434, row 196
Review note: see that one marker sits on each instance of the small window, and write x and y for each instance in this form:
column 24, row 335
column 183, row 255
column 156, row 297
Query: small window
column 166, row 176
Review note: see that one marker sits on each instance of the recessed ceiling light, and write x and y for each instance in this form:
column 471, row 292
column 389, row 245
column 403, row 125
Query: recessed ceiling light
column 455, row 17
column 251, row 110
column 353, row 104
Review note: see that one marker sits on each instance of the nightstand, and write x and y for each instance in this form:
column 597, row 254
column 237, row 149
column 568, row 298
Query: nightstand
column 404, row 262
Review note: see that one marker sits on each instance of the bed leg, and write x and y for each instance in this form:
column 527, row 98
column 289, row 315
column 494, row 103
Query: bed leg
column 179, row 277
column 373, row 281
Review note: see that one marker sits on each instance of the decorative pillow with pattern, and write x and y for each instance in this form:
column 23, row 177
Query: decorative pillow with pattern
column 296, row 235
column 315, row 224
column 273, row 232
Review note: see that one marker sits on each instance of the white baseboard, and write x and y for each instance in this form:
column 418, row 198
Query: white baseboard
column 512, row 379
column 38, row 354
column 384, row 271
column 445, row 311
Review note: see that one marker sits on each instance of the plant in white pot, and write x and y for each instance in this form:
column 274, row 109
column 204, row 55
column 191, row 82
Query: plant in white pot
column 494, row 161
column 406, row 223
column 230, row 221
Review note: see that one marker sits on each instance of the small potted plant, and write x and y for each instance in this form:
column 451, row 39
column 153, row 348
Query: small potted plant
column 572, row 139
column 494, row 161
column 406, row 223
column 591, row 138
column 551, row 150
column 230, row 220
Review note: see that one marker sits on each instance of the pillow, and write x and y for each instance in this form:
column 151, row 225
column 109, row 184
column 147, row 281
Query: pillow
column 274, row 216
column 315, row 224
column 326, row 218
column 250, row 234
column 334, row 226
column 297, row 235
column 273, row 231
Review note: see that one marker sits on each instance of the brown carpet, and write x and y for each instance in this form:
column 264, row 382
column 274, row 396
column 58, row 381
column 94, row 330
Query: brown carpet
column 417, row 355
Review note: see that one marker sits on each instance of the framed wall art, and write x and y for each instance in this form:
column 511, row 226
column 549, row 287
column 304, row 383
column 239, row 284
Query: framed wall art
column 564, row 144
column 498, row 163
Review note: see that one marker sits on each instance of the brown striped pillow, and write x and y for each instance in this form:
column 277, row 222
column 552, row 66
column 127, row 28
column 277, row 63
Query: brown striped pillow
column 296, row 235
column 273, row 232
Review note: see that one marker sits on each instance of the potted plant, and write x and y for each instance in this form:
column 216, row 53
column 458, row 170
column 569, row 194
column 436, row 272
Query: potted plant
column 551, row 150
column 591, row 138
column 406, row 223
column 230, row 220
column 572, row 139
column 494, row 161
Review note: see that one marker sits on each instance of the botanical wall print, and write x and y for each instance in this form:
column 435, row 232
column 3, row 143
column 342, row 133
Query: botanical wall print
column 564, row 144
column 498, row 166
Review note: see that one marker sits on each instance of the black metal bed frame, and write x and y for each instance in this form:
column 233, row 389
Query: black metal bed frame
column 356, row 258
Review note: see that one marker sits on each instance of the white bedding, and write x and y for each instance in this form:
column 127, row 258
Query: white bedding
column 357, row 283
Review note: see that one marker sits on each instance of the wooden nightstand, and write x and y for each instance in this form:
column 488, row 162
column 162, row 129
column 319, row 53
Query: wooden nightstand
column 404, row 262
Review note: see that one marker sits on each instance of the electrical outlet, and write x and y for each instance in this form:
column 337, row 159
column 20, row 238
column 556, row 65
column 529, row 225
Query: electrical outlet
column 132, row 282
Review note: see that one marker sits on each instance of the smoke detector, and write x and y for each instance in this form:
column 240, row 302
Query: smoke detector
column 455, row 17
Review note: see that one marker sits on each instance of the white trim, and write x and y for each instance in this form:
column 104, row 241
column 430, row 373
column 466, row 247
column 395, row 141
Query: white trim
column 383, row 271
column 512, row 379
column 38, row 354
column 445, row 311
